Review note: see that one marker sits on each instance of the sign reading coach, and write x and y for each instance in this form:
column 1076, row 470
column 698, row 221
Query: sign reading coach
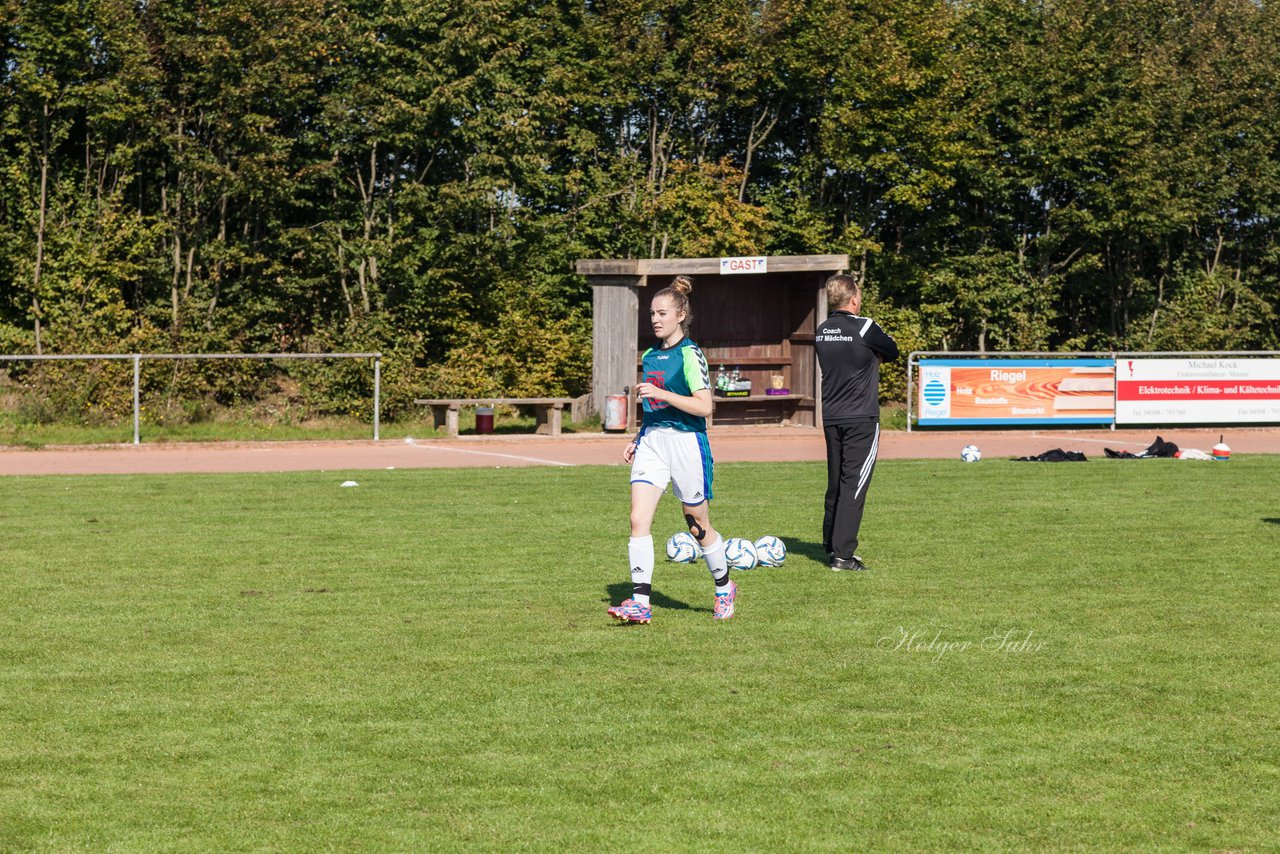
column 1223, row 390
column 1016, row 391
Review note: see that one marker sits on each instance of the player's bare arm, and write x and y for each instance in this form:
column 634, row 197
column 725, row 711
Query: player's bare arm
column 699, row 403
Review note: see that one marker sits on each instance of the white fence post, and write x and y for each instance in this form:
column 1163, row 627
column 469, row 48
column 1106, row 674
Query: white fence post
column 377, row 393
column 137, row 409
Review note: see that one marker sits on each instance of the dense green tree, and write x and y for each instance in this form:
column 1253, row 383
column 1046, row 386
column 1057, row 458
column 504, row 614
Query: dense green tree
column 418, row 177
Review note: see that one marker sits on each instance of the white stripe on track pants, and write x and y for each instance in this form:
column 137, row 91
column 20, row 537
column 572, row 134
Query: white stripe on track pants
column 851, row 460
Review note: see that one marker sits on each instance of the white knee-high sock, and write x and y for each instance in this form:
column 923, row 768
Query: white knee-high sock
column 714, row 555
column 640, row 552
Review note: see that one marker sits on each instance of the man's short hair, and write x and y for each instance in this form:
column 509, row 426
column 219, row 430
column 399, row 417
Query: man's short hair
column 841, row 288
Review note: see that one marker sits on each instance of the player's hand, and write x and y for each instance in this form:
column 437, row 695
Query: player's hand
column 629, row 453
column 649, row 390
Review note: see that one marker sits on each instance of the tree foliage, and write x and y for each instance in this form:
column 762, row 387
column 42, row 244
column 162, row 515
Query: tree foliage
column 418, row 177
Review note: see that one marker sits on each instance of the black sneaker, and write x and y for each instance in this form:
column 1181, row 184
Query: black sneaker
column 844, row 564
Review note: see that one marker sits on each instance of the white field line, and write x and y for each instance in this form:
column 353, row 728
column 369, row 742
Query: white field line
column 1096, row 441
column 538, row 460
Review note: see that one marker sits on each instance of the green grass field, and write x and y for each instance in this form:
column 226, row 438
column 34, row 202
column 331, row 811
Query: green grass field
column 1043, row 657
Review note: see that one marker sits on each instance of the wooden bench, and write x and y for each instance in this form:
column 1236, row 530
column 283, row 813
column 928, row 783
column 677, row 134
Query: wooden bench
column 548, row 411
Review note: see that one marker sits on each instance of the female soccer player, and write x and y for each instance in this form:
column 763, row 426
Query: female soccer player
column 672, row 447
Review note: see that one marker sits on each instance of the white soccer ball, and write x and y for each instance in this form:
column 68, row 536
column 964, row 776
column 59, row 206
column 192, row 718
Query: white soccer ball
column 770, row 551
column 683, row 548
column 970, row 453
column 741, row 553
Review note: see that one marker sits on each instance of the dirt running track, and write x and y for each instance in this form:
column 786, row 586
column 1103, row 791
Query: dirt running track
column 728, row 444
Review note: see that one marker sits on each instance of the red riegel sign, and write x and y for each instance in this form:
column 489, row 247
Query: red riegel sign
column 1197, row 391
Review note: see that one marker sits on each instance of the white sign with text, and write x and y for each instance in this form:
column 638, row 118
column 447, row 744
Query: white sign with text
column 1197, row 391
column 738, row 266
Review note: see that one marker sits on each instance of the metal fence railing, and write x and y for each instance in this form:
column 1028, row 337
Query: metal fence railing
column 139, row 358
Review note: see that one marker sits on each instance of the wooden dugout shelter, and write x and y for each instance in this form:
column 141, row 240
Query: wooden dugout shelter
column 757, row 315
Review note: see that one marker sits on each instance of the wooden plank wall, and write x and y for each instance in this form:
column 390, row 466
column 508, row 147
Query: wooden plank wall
column 761, row 325
column 821, row 311
column 737, row 321
column 613, row 357
column 805, row 293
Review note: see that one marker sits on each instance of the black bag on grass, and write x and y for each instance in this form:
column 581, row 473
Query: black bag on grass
column 1158, row 448
column 1057, row 455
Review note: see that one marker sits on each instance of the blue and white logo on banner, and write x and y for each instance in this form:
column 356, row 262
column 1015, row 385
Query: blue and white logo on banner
column 935, row 391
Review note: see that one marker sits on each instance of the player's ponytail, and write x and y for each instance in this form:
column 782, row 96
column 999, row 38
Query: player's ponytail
column 678, row 292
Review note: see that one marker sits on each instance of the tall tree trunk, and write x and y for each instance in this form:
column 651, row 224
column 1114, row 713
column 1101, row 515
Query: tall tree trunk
column 40, row 228
column 174, row 216
column 1211, row 266
column 219, row 264
column 1164, row 274
column 191, row 263
column 367, row 272
column 174, row 298
column 754, row 140
column 342, row 267
column 1155, row 311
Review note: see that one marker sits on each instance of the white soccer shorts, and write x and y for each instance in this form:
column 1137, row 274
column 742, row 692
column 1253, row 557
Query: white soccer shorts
column 681, row 458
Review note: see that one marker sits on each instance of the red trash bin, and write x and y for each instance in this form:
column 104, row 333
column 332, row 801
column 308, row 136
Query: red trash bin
column 616, row 411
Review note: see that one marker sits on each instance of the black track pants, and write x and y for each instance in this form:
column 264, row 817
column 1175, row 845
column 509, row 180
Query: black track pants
column 851, row 458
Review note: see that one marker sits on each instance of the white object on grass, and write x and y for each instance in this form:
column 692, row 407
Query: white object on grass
column 740, row 553
column 683, row 548
column 770, row 551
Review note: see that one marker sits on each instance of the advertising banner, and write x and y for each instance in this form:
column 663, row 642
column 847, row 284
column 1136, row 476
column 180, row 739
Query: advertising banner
column 1212, row 390
column 1016, row 391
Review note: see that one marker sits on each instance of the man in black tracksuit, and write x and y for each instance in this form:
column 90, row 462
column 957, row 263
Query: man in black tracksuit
column 850, row 350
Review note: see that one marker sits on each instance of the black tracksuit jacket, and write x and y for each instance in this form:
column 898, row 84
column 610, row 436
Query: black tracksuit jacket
column 849, row 350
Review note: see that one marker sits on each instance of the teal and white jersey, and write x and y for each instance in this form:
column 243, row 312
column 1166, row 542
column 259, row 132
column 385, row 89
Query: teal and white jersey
column 681, row 369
